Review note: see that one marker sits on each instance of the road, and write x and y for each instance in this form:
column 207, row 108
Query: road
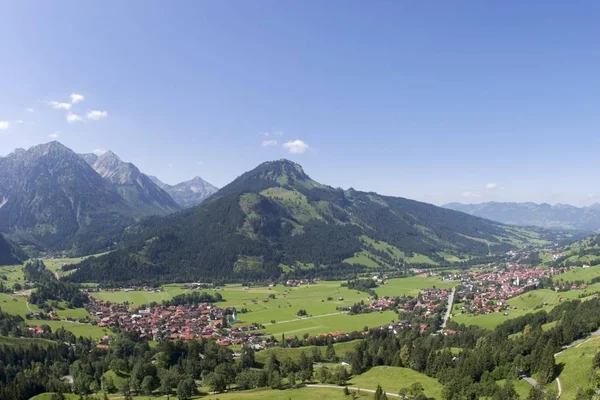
column 448, row 308
column 352, row 389
column 302, row 319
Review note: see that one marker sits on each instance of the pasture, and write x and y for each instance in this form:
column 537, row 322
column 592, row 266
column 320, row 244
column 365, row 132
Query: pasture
column 392, row 379
column 578, row 274
column 524, row 303
column 412, row 285
column 294, row 353
column 577, row 366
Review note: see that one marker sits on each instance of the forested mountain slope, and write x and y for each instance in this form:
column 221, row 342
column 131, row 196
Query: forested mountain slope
column 10, row 254
column 275, row 219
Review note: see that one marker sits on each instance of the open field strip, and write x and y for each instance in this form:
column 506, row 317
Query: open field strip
column 392, row 379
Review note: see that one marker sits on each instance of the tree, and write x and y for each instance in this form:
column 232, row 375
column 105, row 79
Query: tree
column 546, row 365
column 247, row 359
column 275, row 380
column 378, row 393
column 306, row 367
column 124, row 388
column 536, row 393
column 216, row 382
column 108, row 384
column 185, row 388
column 339, row 376
column 147, row 385
column 330, row 353
column 323, row 374
column 551, row 394
column 346, row 391
column 292, row 379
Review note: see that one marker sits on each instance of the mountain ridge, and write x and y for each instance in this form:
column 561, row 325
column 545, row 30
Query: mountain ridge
column 188, row 193
column 274, row 220
column 544, row 215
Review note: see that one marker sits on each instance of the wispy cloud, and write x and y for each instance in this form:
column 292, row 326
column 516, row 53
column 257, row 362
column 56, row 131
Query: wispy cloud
column 99, row 152
column 73, row 118
column 296, row 146
column 53, row 135
column 4, row 125
column 30, row 110
column 474, row 194
column 76, row 98
column 267, row 143
column 59, row 106
column 273, row 133
column 96, row 115
column 491, row 186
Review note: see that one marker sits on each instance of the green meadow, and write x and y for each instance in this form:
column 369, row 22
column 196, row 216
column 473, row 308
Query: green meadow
column 412, row 285
column 577, row 366
column 294, row 353
column 524, row 303
column 578, row 274
column 392, row 379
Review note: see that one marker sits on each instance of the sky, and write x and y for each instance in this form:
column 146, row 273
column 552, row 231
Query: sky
column 439, row 101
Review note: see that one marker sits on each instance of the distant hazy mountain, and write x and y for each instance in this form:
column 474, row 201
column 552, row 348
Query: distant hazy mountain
column 275, row 219
column 51, row 198
column 531, row 214
column 136, row 188
column 189, row 193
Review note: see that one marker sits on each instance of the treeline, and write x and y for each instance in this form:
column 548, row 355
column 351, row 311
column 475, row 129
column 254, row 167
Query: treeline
column 193, row 298
column 49, row 288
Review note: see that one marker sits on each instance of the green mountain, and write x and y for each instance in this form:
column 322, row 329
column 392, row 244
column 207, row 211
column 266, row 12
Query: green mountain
column 10, row 254
column 276, row 220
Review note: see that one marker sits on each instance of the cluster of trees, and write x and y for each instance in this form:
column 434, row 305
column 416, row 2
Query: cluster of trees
column 194, row 298
column 486, row 356
column 363, row 285
column 49, row 288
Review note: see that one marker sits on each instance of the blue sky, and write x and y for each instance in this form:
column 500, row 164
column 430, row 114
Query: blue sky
column 438, row 101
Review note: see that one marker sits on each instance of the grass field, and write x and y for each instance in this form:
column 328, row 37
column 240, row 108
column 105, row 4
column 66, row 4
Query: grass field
column 525, row 304
column 24, row 342
column 139, row 297
column 577, row 366
column 412, row 285
column 392, row 379
column 578, row 274
column 294, row 353
column 521, row 386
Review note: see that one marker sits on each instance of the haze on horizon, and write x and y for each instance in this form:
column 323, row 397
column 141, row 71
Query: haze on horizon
column 466, row 102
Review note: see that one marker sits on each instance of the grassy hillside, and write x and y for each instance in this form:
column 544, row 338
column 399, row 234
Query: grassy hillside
column 276, row 219
column 392, row 379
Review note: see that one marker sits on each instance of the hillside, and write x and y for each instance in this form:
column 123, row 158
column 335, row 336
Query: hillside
column 543, row 215
column 9, row 253
column 582, row 252
column 138, row 190
column 275, row 219
column 189, row 193
column 50, row 198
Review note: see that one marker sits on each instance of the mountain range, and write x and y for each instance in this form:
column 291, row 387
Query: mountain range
column 276, row 220
column 52, row 199
column 189, row 193
column 561, row 216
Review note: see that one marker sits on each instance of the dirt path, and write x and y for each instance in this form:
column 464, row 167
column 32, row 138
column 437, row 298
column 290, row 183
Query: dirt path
column 302, row 319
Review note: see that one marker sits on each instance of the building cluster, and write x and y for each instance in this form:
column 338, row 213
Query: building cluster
column 486, row 291
column 183, row 322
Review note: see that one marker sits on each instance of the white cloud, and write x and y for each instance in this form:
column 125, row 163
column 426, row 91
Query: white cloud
column 471, row 194
column 73, row 118
column 491, row 186
column 4, row 125
column 274, row 133
column 99, row 152
column 267, row 143
column 296, row 146
column 19, row 121
column 96, row 115
column 76, row 98
column 59, row 106
column 53, row 135
column 170, row 165
column 30, row 109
